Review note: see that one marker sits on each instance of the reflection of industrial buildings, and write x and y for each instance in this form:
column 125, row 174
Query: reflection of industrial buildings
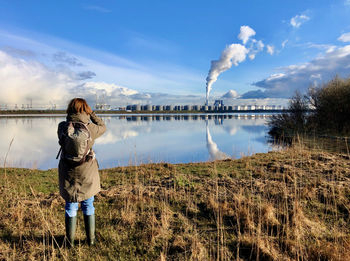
column 217, row 118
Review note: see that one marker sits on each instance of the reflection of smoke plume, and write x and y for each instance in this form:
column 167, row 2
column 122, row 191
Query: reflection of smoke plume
column 233, row 54
column 214, row 152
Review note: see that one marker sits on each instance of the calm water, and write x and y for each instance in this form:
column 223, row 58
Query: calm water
column 138, row 139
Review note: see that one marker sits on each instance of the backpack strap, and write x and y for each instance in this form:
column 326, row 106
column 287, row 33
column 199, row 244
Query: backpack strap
column 59, row 152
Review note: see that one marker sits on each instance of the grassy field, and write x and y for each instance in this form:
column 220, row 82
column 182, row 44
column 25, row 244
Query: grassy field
column 292, row 204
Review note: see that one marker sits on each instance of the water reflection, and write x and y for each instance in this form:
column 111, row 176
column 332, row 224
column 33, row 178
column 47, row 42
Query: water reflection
column 218, row 118
column 214, row 152
column 136, row 139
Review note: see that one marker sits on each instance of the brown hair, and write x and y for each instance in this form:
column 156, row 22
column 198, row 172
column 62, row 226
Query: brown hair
column 78, row 105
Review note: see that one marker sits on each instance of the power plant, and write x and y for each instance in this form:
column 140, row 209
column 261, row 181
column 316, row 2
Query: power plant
column 218, row 106
column 101, row 105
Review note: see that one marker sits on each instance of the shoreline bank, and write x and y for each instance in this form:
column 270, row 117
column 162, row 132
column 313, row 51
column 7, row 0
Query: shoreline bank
column 278, row 205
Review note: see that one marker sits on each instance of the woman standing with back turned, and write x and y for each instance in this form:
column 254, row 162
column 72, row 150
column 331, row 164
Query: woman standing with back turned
column 79, row 180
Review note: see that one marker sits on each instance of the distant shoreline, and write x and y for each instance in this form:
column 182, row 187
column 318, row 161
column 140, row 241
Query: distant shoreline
column 45, row 112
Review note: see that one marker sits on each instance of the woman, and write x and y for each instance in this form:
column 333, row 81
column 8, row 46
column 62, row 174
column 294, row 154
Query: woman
column 79, row 180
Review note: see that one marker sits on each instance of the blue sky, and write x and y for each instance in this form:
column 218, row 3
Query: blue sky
column 167, row 46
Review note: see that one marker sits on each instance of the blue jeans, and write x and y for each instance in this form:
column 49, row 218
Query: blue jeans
column 87, row 206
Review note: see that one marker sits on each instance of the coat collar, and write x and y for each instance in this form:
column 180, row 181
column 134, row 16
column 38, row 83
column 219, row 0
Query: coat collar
column 82, row 117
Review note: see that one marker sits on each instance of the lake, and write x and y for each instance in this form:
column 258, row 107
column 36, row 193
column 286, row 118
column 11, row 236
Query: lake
column 137, row 139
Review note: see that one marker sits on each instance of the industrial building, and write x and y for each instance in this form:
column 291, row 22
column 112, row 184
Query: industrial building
column 217, row 107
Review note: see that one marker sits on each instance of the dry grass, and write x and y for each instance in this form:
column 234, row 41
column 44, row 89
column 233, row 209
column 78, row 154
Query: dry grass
column 287, row 205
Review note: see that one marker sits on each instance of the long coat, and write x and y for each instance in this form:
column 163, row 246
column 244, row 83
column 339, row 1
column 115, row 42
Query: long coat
column 81, row 182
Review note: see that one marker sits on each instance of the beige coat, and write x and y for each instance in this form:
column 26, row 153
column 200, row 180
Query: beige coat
column 83, row 181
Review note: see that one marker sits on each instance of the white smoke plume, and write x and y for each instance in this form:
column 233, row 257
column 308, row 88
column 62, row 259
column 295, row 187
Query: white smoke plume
column 245, row 33
column 233, row 54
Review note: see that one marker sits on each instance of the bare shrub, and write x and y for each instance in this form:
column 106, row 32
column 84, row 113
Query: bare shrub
column 324, row 110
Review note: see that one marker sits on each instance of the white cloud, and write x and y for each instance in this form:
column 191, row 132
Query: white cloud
column 275, row 76
column 327, row 47
column 284, row 43
column 63, row 57
column 316, row 76
column 260, row 45
column 22, row 81
column 140, row 75
column 298, row 20
column 109, row 88
column 251, row 56
column 97, row 8
column 29, row 81
column 270, row 49
column 256, row 47
column 41, row 72
column 245, row 33
column 231, row 94
column 344, row 37
column 300, row 77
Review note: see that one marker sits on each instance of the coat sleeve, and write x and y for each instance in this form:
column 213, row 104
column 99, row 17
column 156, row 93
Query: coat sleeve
column 97, row 127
